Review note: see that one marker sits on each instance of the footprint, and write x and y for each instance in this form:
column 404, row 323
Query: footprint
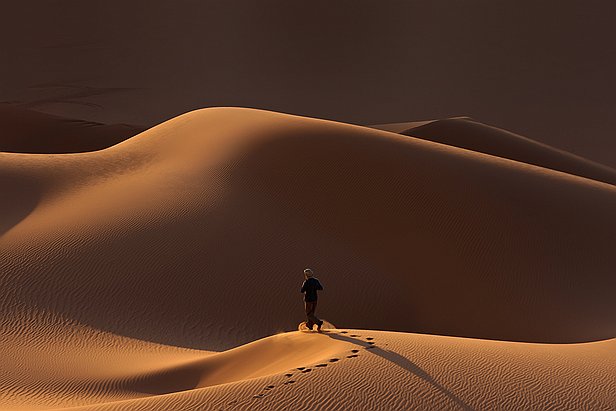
column 288, row 375
column 269, row 387
column 370, row 347
column 333, row 359
column 301, row 368
column 369, row 338
column 355, row 335
column 371, row 342
column 352, row 356
column 344, row 332
column 321, row 365
column 354, row 351
column 289, row 382
column 306, row 370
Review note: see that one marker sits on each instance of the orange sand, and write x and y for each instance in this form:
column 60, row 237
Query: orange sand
column 128, row 274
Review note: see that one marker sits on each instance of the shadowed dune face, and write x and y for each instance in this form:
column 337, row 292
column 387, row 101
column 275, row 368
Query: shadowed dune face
column 472, row 135
column 195, row 234
column 304, row 371
column 208, row 220
column 19, row 199
column 368, row 62
column 27, row 131
column 256, row 359
column 436, row 232
column 401, row 127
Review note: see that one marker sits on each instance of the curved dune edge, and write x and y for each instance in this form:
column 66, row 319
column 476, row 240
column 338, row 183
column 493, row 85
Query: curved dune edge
column 472, row 135
column 29, row 131
column 219, row 196
column 113, row 263
column 400, row 127
column 353, row 369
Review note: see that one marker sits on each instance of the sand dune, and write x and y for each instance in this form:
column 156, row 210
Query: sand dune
column 551, row 78
column 401, row 127
column 119, row 267
column 341, row 369
column 28, row 131
column 466, row 133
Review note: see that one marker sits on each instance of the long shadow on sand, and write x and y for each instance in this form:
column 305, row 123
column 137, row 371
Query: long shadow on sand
column 404, row 363
column 17, row 206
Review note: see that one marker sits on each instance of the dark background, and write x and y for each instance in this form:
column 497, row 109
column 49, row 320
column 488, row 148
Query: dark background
column 545, row 69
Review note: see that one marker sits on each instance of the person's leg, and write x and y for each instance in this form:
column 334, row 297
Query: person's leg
column 312, row 319
column 316, row 319
column 309, row 314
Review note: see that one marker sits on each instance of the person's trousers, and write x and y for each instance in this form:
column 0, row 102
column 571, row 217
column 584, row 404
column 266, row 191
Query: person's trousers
column 311, row 307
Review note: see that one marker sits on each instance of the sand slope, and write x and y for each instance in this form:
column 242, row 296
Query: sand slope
column 119, row 267
column 401, row 127
column 342, row 369
column 142, row 62
column 467, row 133
column 28, row 131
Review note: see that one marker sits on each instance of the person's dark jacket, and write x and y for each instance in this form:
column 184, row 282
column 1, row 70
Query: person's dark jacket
column 310, row 287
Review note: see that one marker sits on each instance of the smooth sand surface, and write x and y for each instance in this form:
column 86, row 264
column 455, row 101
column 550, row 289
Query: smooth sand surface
column 472, row 135
column 401, row 127
column 128, row 275
column 29, row 131
column 546, row 72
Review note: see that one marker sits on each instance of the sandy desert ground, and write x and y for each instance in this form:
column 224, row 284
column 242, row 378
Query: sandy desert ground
column 465, row 267
column 543, row 71
column 30, row 131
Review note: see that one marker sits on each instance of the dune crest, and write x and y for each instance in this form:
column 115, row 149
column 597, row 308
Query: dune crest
column 340, row 369
column 472, row 135
column 430, row 229
column 123, row 269
column 29, row 131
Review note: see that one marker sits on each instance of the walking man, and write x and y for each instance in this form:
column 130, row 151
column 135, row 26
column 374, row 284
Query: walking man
column 310, row 287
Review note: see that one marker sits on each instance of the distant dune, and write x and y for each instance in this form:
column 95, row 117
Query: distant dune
column 401, row 127
column 28, row 131
column 122, row 270
column 546, row 71
column 472, row 135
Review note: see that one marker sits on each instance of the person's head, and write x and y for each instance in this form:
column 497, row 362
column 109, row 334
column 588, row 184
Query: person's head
column 308, row 273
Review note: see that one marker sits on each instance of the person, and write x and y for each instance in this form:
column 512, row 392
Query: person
column 309, row 288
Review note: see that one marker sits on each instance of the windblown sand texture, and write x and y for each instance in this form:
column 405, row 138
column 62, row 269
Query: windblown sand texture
column 163, row 272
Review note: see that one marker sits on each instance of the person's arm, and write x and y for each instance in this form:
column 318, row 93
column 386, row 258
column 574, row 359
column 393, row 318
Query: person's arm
column 303, row 287
column 319, row 286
